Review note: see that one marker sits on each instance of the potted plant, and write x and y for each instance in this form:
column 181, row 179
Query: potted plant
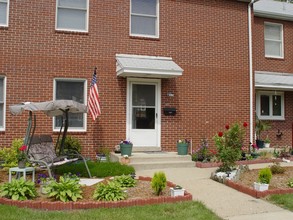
column 177, row 191
column 264, row 179
column 44, row 180
column 260, row 126
column 267, row 142
column 21, row 156
column 126, row 147
column 182, row 146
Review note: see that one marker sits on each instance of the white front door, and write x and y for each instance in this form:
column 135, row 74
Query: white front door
column 143, row 112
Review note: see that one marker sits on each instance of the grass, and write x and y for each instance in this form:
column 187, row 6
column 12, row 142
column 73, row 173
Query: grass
column 285, row 200
column 97, row 169
column 183, row 210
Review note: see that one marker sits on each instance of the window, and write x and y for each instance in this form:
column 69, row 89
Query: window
column 2, row 103
column 274, row 40
column 72, row 15
column 144, row 18
column 4, row 7
column 71, row 89
column 270, row 105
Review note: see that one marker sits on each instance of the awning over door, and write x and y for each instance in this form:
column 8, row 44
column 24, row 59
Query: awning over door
column 273, row 80
column 146, row 66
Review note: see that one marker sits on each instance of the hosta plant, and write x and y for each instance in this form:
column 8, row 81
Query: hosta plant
column 159, row 182
column 67, row 189
column 109, row 192
column 125, row 181
column 18, row 189
column 290, row 183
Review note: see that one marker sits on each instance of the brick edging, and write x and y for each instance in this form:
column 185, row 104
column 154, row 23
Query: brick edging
column 57, row 205
column 252, row 192
column 242, row 162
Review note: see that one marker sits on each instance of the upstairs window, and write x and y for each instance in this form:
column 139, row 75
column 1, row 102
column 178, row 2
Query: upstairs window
column 144, row 19
column 4, row 8
column 274, row 40
column 270, row 105
column 71, row 89
column 2, row 103
column 72, row 15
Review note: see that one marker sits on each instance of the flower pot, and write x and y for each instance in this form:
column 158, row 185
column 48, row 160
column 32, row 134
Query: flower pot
column 177, row 192
column 126, row 149
column 260, row 186
column 21, row 164
column 260, row 143
column 182, row 148
column 267, row 145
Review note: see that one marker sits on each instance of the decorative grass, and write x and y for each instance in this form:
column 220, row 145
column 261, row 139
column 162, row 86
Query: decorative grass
column 285, row 200
column 182, row 210
column 97, row 169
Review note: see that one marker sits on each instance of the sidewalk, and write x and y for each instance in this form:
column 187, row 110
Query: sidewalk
column 224, row 201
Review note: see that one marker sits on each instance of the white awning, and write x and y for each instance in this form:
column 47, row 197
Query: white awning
column 273, row 80
column 146, row 66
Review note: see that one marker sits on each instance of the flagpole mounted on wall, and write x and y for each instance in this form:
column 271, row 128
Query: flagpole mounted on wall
column 94, row 98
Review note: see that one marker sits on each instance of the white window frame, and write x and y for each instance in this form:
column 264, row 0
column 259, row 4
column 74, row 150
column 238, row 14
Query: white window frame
column 68, row 29
column 2, row 128
column 157, row 22
column 271, row 116
column 70, row 129
column 7, row 13
column 273, row 40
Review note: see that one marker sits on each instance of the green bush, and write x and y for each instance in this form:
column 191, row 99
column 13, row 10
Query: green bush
column 67, row 189
column 97, row 169
column 9, row 154
column 159, row 182
column 290, row 183
column 18, row 189
column 109, row 192
column 70, row 144
column 125, row 181
column 277, row 169
column 265, row 175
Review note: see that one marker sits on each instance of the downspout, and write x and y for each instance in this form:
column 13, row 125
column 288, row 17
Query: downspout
column 251, row 86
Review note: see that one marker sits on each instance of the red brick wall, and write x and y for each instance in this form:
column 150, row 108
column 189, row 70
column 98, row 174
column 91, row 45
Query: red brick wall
column 261, row 63
column 208, row 39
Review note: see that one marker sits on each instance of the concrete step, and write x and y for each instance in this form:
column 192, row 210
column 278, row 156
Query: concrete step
column 156, row 160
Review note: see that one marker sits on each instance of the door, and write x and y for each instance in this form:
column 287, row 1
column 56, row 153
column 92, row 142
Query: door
column 143, row 121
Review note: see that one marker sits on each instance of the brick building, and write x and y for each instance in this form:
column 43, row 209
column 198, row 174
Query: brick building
column 192, row 56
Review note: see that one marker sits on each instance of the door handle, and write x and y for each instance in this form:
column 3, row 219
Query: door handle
column 156, row 115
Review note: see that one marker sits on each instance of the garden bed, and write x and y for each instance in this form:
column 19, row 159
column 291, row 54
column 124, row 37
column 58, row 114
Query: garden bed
column 278, row 184
column 141, row 194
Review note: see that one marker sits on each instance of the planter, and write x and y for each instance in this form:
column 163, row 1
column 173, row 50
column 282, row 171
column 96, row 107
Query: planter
column 177, row 192
column 260, row 186
column 126, row 149
column 21, row 164
column 182, row 148
column 260, row 143
column 267, row 145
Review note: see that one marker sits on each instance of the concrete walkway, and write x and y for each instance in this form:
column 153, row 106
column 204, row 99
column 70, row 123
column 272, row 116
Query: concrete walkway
column 224, row 201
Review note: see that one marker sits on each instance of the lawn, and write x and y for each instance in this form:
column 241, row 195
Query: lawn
column 285, row 201
column 182, row 210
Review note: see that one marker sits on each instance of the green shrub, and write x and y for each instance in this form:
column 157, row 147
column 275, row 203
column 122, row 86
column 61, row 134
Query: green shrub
column 277, row 169
column 125, row 181
column 109, row 192
column 290, row 183
column 9, row 154
column 159, row 182
column 265, row 175
column 70, row 144
column 18, row 189
column 97, row 169
column 67, row 189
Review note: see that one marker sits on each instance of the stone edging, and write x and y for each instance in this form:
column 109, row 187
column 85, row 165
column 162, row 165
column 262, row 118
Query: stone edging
column 57, row 205
column 242, row 162
column 257, row 194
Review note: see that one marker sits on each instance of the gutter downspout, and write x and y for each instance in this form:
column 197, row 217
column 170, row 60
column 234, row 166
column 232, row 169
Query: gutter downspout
column 251, row 86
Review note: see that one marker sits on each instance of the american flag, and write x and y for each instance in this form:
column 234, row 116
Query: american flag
column 94, row 99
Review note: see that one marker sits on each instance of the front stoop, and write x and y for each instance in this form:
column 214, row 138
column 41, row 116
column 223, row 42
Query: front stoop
column 156, row 160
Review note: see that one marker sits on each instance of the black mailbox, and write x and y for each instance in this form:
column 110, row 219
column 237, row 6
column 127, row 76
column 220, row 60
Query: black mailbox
column 170, row 111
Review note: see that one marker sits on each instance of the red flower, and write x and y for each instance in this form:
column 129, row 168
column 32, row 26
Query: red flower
column 245, row 124
column 220, row 134
column 23, row 148
column 227, row 127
